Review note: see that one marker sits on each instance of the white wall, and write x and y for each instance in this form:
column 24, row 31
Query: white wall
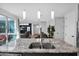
column 70, row 27
column 43, row 24
column 59, row 27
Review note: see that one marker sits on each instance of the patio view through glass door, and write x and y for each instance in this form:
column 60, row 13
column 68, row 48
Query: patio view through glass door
column 7, row 32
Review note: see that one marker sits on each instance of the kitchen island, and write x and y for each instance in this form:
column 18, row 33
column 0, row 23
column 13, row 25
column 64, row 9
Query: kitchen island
column 61, row 48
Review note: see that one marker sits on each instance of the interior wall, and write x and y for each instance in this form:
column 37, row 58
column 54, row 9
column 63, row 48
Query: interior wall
column 36, row 29
column 59, row 28
column 71, row 27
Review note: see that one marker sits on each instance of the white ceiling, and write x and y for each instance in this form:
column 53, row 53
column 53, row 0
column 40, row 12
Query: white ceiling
column 17, row 8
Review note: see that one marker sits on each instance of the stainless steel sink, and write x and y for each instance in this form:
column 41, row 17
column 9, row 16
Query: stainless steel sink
column 37, row 45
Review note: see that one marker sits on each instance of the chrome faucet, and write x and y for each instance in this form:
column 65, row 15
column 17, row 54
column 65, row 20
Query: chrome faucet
column 41, row 39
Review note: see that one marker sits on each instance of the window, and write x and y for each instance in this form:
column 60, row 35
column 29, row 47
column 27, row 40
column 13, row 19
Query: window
column 7, row 32
column 2, row 30
column 11, row 29
column 2, row 24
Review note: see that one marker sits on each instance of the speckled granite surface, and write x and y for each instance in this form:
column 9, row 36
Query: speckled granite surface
column 22, row 45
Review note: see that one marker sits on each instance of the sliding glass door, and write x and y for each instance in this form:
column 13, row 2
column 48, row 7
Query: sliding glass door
column 11, row 33
column 3, row 37
column 7, row 32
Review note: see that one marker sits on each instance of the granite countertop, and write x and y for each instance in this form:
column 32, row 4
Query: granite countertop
column 22, row 45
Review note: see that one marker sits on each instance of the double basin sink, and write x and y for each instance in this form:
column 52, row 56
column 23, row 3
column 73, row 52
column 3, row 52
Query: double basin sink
column 38, row 45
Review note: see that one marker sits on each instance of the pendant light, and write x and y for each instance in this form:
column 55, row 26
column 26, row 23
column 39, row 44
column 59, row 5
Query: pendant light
column 24, row 14
column 52, row 18
column 38, row 14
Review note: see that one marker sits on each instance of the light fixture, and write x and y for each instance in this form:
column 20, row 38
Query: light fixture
column 24, row 14
column 38, row 14
column 52, row 14
column 39, row 26
column 52, row 18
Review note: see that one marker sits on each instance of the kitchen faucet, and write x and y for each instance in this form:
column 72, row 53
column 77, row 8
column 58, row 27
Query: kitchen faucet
column 41, row 39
